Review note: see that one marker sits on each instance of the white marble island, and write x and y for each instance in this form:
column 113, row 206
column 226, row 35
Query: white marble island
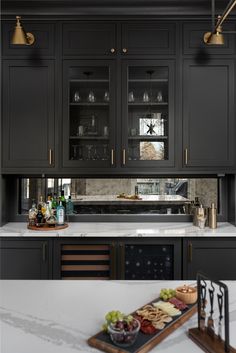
column 59, row 316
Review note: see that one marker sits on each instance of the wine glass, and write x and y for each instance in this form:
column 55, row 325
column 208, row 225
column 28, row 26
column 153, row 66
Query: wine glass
column 146, row 98
column 106, row 97
column 77, row 97
column 74, row 149
column 89, row 154
column 104, row 157
column 91, row 97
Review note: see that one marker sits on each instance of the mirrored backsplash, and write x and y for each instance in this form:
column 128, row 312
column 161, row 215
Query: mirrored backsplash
column 124, row 195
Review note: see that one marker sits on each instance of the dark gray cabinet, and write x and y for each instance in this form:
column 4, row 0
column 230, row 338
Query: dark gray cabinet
column 208, row 112
column 25, row 259
column 89, row 121
column 89, row 38
column 148, row 38
column 215, row 257
column 193, row 43
column 28, row 115
column 148, row 113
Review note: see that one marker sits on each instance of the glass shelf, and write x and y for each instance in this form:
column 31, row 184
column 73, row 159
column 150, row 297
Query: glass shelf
column 146, row 138
column 147, row 104
column 91, row 104
column 89, row 137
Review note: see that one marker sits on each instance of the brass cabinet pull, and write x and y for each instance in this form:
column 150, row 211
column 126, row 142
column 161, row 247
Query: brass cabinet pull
column 124, row 156
column 44, row 252
column 186, row 156
column 112, row 156
column 112, row 50
column 113, row 261
column 190, row 252
column 50, row 156
column 124, row 50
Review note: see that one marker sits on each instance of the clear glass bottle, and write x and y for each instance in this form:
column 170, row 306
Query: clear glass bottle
column 62, row 199
column 33, row 213
column 54, row 203
column 42, row 204
column 60, row 214
column 69, row 206
column 48, row 210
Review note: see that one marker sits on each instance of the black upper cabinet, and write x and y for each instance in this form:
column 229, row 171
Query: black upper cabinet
column 144, row 38
column 194, row 44
column 28, row 115
column 44, row 44
column 89, row 38
column 148, row 113
column 89, row 113
column 208, row 129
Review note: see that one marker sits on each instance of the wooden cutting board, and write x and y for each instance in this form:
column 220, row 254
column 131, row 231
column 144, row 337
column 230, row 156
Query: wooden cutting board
column 144, row 342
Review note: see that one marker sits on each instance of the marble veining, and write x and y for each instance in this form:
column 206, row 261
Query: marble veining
column 59, row 316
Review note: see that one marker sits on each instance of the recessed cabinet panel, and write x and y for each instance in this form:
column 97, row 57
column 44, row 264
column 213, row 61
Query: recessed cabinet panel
column 148, row 38
column 44, row 44
column 28, row 114
column 148, row 113
column 194, row 44
column 24, row 259
column 87, row 38
column 216, row 258
column 208, row 113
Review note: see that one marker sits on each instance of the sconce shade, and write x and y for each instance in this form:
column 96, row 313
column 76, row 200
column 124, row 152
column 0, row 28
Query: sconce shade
column 216, row 38
column 19, row 36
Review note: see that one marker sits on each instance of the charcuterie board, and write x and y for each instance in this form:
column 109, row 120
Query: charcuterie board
column 45, row 227
column 144, row 342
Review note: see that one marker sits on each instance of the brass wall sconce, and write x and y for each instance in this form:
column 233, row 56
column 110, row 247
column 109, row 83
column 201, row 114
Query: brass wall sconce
column 216, row 36
column 19, row 36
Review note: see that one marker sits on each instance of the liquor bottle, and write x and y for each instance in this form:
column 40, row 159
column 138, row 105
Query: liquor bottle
column 39, row 217
column 48, row 210
column 69, row 206
column 60, row 214
column 54, row 204
column 32, row 213
column 62, row 199
column 49, row 200
column 42, row 204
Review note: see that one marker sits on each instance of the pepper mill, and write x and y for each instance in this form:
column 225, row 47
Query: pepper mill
column 212, row 216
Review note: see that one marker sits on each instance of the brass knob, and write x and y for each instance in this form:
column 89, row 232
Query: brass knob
column 124, row 50
column 112, row 50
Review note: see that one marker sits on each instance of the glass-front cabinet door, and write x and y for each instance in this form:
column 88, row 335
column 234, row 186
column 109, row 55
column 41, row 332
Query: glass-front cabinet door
column 89, row 114
column 148, row 113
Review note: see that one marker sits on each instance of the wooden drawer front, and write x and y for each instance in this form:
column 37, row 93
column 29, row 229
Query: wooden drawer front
column 148, row 38
column 85, row 262
column 193, row 40
column 89, row 38
column 43, row 45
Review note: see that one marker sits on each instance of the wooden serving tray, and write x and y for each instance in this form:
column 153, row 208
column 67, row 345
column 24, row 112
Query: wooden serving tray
column 45, row 227
column 144, row 342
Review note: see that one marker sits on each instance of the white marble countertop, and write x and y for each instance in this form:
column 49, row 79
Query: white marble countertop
column 59, row 316
column 121, row 229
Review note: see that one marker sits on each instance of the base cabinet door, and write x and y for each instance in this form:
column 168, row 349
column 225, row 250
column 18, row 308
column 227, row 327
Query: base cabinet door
column 216, row 258
column 148, row 260
column 24, row 259
column 79, row 260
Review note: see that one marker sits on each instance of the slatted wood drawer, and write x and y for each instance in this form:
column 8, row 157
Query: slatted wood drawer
column 87, row 262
